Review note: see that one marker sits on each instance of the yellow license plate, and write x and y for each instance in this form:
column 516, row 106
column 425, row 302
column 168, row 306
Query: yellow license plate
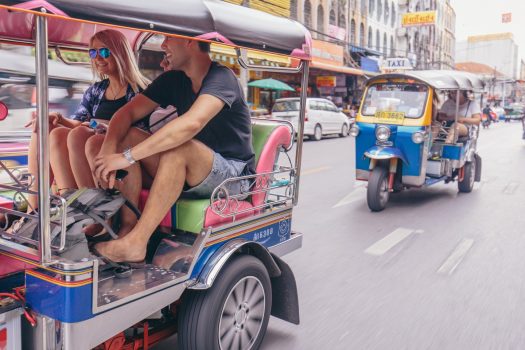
column 390, row 117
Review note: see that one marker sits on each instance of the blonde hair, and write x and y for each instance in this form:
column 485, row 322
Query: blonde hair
column 127, row 68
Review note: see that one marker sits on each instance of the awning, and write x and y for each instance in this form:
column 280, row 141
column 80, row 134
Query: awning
column 339, row 69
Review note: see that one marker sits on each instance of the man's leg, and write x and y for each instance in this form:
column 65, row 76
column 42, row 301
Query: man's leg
column 191, row 162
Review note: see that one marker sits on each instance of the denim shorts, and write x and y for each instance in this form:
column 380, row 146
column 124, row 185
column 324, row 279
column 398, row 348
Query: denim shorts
column 222, row 170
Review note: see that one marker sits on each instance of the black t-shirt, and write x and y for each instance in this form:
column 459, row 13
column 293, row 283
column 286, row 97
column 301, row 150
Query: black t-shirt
column 107, row 108
column 229, row 132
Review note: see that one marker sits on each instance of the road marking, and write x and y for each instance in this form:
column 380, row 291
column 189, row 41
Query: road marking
column 456, row 257
column 354, row 196
column 384, row 245
column 316, row 170
column 511, row 187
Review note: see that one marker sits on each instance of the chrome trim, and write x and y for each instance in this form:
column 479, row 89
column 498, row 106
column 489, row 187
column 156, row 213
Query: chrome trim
column 293, row 243
column 43, row 136
column 214, row 266
column 300, row 131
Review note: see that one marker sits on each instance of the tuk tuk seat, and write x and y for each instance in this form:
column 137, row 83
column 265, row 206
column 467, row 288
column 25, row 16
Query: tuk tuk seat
column 192, row 215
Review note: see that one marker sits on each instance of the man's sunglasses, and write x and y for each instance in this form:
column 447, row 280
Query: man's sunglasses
column 103, row 52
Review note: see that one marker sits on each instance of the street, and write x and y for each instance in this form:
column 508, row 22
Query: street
column 434, row 270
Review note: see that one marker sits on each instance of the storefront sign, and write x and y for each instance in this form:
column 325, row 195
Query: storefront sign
column 326, row 81
column 418, row 19
column 327, row 53
column 396, row 64
column 337, row 32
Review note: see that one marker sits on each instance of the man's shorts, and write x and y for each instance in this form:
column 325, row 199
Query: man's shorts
column 222, row 170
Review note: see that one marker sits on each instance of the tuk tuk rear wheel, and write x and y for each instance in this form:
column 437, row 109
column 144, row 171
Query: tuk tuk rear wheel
column 233, row 313
column 469, row 177
column 377, row 194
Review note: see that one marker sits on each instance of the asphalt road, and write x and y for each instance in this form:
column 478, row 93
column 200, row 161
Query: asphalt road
column 434, row 270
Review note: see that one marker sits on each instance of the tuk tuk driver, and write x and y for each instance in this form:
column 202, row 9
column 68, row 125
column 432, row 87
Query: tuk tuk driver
column 208, row 143
column 469, row 114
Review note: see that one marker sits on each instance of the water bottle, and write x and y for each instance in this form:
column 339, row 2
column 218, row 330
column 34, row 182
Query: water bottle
column 99, row 128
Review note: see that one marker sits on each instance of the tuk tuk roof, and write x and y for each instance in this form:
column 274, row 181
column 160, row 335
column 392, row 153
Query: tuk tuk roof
column 438, row 79
column 205, row 19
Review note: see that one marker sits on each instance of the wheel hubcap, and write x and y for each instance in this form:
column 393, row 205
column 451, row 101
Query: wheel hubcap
column 317, row 133
column 242, row 315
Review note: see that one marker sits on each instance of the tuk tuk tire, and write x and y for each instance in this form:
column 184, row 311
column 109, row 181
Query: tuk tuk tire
column 375, row 197
column 344, row 131
column 201, row 312
column 469, row 177
column 318, row 133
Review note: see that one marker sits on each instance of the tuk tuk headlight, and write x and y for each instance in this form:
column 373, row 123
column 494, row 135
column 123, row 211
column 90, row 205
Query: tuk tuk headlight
column 382, row 133
column 418, row 137
column 354, row 131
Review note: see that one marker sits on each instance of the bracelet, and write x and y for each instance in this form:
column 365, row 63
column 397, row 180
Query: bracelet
column 128, row 156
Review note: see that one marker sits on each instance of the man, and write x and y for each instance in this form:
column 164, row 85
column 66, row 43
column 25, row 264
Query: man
column 209, row 142
column 469, row 114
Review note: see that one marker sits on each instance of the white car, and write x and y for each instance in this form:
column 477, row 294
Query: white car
column 322, row 116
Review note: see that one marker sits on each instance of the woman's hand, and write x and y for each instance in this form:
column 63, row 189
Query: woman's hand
column 106, row 165
column 55, row 119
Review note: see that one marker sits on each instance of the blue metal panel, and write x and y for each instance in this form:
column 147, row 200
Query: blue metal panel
column 17, row 160
column 401, row 138
column 63, row 303
column 453, row 152
column 267, row 236
column 382, row 152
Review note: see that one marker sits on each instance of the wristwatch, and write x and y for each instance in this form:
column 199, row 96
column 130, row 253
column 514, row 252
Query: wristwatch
column 128, row 156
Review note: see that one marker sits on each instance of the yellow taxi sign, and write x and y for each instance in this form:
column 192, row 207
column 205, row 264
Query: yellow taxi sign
column 390, row 117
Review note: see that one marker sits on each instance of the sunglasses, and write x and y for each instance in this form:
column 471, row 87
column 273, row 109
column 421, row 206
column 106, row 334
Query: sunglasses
column 103, row 52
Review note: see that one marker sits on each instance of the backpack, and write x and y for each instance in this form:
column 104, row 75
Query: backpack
column 85, row 206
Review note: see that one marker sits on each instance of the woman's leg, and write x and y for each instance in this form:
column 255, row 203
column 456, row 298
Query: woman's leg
column 76, row 144
column 59, row 158
column 461, row 130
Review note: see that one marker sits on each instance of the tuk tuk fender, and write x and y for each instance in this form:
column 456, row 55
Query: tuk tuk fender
column 214, row 265
column 385, row 153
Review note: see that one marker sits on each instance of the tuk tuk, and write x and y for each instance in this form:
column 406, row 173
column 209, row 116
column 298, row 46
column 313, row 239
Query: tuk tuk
column 396, row 147
column 214, row 271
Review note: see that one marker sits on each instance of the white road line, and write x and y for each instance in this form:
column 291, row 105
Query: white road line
column 354, row 196
column 316, row 170
column 456, row 257
column 384, row 245
column 511, row 187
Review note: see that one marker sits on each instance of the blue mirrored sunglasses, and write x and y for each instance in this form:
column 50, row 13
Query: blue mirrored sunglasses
column 103, row 52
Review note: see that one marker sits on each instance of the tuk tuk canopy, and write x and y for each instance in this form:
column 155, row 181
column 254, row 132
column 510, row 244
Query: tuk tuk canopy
column 438, row 79
column 212, row 20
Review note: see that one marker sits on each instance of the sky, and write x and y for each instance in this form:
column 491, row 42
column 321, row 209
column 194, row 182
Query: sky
column 476, row 17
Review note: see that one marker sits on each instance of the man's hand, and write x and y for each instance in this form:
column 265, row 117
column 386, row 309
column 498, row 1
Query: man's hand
column 106, row 165
column 54, row 120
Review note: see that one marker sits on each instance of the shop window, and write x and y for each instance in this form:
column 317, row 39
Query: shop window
column 362, row 35
column 352, row 32
column 308, row 14
column 293, row 9
column 320, row 19
column 379, row 9
column 370, row 37
column 332, row 17
column 378, row 41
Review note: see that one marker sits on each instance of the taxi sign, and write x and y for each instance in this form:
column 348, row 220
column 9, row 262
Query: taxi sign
column 390, row 117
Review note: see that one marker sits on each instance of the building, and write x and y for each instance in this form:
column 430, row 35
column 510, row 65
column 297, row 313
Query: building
column 427, row 33
column 382, row 25
column 486, row 49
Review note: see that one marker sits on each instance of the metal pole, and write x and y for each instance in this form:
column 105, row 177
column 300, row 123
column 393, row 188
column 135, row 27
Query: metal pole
column 456, row 119
column 300, row 131
column 43, row 135
column 503, row 98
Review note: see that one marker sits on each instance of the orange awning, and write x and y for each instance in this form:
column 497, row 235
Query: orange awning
column 333, row 68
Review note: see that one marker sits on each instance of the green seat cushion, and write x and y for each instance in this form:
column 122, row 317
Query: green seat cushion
column 190, row 213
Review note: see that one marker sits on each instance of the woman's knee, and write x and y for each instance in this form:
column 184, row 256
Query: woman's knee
column 78, row 136
column 93, row 145
column 58, row 137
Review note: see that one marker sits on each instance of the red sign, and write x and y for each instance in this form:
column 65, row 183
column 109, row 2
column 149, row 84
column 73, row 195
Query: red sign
column 3, row 339
column 506, row 17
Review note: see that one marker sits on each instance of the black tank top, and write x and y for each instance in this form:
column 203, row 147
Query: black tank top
column 107, row 108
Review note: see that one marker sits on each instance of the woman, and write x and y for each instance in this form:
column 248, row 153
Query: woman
column 468, row 114
column 113, row 63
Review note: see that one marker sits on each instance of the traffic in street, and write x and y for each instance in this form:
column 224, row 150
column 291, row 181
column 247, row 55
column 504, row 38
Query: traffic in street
column 435, row 270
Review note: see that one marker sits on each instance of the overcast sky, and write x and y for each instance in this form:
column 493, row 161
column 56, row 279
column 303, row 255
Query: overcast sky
column 474, row 17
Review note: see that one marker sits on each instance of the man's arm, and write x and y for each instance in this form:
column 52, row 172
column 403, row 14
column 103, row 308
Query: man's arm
column 138, row 107
column 181, row 129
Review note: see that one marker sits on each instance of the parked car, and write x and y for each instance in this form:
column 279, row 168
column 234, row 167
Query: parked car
column 322, row 116
column 515, row 111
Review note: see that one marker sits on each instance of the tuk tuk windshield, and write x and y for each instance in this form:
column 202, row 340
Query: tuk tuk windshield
column 405, row 98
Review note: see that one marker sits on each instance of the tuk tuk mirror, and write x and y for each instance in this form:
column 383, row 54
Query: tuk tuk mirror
column 3, row 111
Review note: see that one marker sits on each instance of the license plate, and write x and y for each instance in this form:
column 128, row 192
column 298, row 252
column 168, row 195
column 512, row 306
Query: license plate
column 390, row 117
